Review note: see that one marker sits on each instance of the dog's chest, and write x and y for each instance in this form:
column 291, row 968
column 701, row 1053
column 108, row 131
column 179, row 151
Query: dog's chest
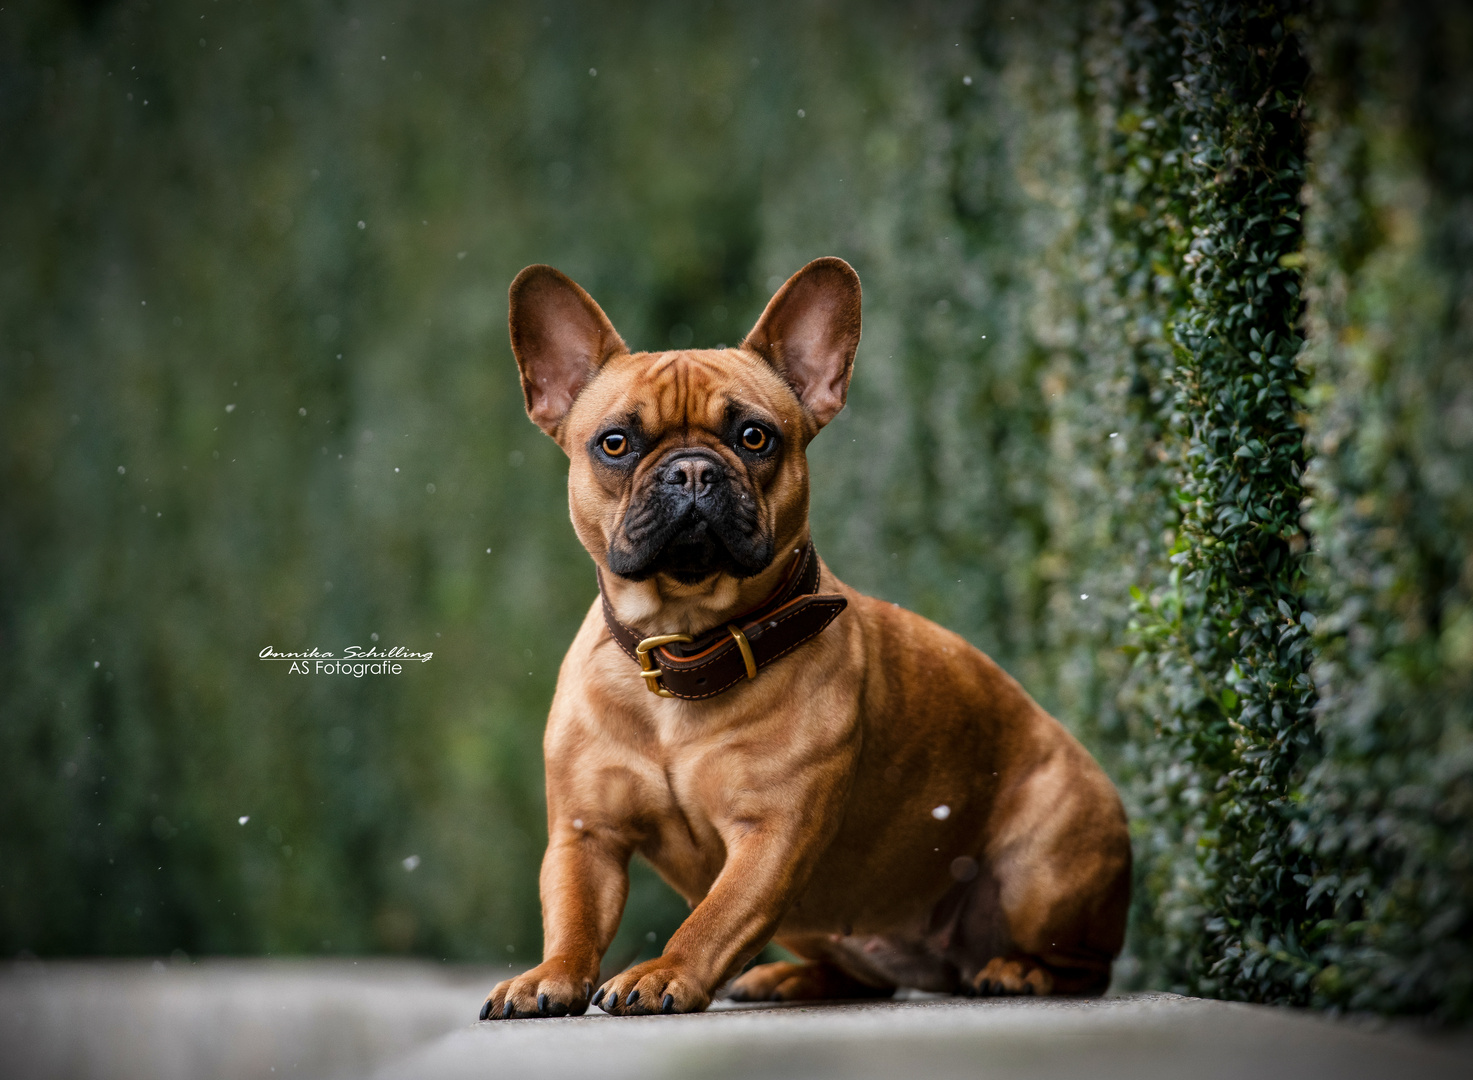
column 683, row 839
column 700, row 792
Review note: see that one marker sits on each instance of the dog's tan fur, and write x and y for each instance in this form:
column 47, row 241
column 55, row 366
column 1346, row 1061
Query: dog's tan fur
column 802, row 804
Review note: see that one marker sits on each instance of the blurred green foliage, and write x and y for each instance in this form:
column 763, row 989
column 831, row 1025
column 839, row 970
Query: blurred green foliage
column 1389, row 807
column 255, row 390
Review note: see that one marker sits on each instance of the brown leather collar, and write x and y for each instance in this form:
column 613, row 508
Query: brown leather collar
column 677, row 665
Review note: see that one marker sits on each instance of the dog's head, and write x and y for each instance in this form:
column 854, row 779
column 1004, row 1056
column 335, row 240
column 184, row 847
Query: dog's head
column 688, row 463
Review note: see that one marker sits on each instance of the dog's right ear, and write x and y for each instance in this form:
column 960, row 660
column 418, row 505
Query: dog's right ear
column 809, row 333
column 560, row 337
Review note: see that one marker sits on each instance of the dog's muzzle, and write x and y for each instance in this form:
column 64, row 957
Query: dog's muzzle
column 693, row 520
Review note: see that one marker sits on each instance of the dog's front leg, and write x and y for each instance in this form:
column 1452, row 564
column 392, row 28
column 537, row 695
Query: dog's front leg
column 765, row 867
column 585, row 881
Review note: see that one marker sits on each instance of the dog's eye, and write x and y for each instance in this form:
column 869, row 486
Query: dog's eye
column 615, row 443
column 755, row 438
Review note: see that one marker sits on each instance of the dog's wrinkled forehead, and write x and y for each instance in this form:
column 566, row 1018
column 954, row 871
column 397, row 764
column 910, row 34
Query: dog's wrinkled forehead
column 684, row 394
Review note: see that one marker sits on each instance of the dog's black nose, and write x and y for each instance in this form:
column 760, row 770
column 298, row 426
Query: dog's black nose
column 694, row 474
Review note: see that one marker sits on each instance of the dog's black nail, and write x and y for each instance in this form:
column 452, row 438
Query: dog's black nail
column 506, row 1012
column 486, row 1009
column 587, row 989
column 632, row 998
column 542, row 1003
column 668, row 1004
column 600, row 995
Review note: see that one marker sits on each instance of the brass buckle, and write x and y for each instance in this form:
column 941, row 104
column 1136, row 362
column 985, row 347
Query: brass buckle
column 648, row 670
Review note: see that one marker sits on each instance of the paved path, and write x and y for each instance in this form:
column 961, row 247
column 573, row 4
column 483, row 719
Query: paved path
column 234, row 1020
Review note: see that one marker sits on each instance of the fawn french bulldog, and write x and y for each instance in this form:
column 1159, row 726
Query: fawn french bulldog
column 796, row 759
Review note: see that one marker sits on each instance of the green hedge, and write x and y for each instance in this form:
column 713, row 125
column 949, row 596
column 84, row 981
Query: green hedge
column 1220, row 625
column 1163, row 400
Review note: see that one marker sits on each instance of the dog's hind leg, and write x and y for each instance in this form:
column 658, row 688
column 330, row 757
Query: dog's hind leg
column 814, row 981
column 1019, row 974
column 1058, row 887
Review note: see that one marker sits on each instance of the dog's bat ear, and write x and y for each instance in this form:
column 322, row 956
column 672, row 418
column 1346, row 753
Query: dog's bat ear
column 560, row 337
column 809, row 332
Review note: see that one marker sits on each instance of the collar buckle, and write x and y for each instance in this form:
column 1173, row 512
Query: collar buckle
column 649, row 671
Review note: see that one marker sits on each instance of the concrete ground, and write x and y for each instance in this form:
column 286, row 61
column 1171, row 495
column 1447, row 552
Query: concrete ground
column 391, row 1020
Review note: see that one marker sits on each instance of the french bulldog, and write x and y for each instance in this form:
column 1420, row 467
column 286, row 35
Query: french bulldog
column 800, row 762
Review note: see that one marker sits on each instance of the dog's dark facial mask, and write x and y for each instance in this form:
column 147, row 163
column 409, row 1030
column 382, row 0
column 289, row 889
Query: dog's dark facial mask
column 693, row 510
column 687, row 464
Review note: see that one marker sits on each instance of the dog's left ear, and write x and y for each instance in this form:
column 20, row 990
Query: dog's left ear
column 560, row 337
column 809, row 333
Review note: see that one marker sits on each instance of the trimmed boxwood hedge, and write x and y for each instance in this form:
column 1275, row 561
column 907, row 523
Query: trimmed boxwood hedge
column 1208, row 134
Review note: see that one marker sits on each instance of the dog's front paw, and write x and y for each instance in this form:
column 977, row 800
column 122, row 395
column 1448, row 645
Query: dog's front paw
column 660, row 985
column 555, row 987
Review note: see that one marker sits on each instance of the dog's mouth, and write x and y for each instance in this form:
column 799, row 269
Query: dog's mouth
column 696, row 552
column 691, row 539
